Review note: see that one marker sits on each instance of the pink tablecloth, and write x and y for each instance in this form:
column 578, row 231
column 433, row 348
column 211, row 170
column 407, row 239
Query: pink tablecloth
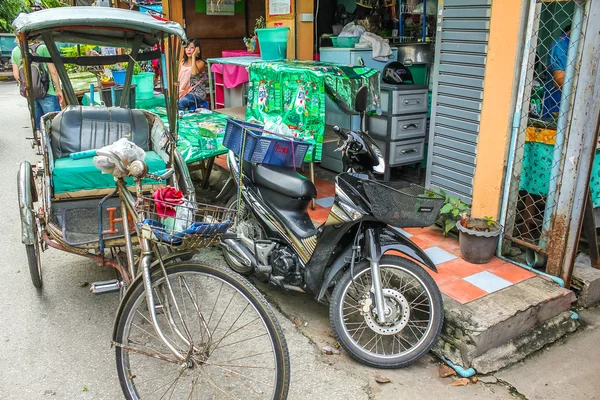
column 233, row 75
column 237, row 53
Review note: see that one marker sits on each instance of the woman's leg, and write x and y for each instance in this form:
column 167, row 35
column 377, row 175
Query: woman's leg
column 186, row 102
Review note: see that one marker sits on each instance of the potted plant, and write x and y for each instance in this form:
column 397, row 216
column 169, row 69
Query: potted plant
column 260, row 24
column 450, row 212
column 106, row 81
column 478, row 238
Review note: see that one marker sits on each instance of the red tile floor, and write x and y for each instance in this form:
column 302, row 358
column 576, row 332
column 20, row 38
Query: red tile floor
column 456, row 278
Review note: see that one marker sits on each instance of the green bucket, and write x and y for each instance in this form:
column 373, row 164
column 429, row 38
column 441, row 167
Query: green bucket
column 273, row 43
column 144, row 82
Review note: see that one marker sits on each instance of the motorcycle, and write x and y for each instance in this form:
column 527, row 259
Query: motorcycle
column 386, row 310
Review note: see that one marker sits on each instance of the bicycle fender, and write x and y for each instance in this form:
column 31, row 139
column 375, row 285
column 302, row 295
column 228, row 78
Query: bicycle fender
column 24, row 187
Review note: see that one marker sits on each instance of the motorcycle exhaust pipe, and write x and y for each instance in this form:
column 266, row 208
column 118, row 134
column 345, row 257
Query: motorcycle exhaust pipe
column 240, row 252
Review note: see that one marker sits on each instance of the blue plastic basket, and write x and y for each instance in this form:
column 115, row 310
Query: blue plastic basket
column 263, row 147
column 234, row 133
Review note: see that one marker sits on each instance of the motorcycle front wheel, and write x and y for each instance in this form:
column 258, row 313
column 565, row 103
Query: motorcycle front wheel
column 413, row 307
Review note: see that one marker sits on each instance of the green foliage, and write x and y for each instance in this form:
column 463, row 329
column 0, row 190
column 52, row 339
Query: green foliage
column 490, row 221
column 9, row 9
column 260, row 23
column 71, row 51
column 50, row 3
column 451, row 212
column 136, row 68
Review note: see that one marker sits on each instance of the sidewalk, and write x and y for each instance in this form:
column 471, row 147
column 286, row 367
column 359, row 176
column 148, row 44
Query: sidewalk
column 496, row 313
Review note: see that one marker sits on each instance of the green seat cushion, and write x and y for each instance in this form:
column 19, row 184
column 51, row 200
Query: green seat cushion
column 75, row 175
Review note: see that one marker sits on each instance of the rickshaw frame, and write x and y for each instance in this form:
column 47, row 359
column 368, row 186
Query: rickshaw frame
column 107, row 27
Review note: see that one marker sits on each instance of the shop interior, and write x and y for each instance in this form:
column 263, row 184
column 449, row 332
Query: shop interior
column 401, row 125
column 398, row 119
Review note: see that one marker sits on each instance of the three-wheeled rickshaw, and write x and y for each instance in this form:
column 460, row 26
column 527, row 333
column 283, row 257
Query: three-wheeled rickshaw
column 113, row 187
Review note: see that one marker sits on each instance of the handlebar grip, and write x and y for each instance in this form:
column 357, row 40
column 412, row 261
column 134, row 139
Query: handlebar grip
column 83, row 154
column 161, row 175
column 338, row 131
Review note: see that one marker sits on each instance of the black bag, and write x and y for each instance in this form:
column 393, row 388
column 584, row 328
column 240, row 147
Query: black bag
column 40, row 78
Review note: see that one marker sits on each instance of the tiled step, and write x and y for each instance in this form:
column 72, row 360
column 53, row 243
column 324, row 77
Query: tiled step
column 505, row 326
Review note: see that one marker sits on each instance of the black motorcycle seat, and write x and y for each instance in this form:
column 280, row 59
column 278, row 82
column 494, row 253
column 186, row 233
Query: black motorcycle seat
column 283, row 180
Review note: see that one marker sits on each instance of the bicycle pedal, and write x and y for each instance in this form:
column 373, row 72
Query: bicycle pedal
column 104, row 287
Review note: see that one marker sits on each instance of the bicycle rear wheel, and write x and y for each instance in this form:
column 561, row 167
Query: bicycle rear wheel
column 235, row 348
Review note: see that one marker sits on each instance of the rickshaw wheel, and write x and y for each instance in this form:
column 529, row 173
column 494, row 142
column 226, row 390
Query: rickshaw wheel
column 35, row 263
column 227, row 320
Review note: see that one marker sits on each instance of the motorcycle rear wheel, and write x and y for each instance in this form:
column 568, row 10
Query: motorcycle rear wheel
column 412, row 298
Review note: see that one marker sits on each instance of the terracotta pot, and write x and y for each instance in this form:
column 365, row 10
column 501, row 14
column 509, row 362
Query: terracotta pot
column 107, row 84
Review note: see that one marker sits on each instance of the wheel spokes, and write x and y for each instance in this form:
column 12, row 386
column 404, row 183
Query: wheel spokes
column 232, row 353
column 398, row 335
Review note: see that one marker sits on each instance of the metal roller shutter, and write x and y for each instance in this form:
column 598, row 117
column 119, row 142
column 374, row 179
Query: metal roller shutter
column 459, row 70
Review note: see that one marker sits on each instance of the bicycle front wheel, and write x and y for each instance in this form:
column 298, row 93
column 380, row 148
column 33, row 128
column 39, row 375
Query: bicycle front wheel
column 234, row 347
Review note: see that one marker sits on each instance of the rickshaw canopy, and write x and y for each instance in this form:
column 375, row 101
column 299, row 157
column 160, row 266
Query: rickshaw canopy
column 107, row 27
column 102, row 26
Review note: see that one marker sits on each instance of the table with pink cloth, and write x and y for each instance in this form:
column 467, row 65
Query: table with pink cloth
column 233, row 73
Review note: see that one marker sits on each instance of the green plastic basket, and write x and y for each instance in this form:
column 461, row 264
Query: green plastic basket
column 347, row 42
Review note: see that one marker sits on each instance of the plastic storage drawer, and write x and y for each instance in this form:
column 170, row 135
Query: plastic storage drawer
column 398, row 127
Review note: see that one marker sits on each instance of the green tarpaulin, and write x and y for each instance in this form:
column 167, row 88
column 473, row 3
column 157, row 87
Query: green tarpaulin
column 293, row 92
column 200, row 135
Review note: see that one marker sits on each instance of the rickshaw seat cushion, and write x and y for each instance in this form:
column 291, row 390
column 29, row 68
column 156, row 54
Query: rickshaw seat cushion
column 80, row 128
column 70, row 176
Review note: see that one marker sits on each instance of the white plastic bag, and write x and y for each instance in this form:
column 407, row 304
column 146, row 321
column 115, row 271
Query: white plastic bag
column 125, row 150
column 352, row 29
column 185, row 216
column 431, row 8
column 278, row 127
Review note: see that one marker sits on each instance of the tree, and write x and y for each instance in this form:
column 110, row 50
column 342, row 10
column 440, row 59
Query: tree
column 9, row 9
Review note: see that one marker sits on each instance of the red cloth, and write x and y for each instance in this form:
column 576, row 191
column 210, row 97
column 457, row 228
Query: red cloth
column 166, row 199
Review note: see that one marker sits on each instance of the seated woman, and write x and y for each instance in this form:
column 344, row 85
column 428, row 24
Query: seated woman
column 192, row 78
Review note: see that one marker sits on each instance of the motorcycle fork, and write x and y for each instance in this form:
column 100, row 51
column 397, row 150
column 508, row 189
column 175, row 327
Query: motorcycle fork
column 373, row 254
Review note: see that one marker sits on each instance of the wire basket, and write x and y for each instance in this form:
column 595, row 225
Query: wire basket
column 412, row 206
column 185, row 226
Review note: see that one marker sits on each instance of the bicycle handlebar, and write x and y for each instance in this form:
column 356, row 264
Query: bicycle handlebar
column 161, row 175
column 114, row 158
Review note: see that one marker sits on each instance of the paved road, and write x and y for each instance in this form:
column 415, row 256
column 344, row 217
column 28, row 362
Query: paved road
column 55, row 344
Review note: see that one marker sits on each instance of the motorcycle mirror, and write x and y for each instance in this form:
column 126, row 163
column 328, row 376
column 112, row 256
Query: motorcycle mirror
column 360, row 103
